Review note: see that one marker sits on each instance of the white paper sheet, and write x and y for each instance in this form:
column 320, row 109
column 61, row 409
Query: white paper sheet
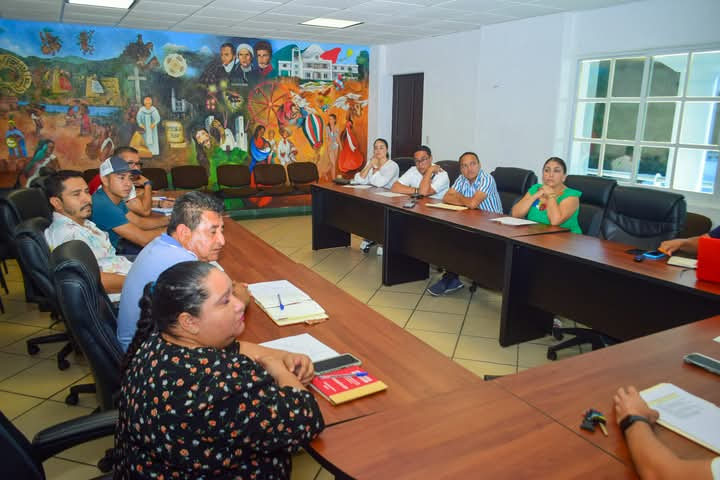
column 303, row 343
column 513, row 221
column 390, row 194
column 359, row 187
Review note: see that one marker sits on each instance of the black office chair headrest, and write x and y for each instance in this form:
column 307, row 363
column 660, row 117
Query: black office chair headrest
column 595, row 190
column 76, row 254
column 512, row 179
column 30, row 203
column 34, row 227
column 648, row 204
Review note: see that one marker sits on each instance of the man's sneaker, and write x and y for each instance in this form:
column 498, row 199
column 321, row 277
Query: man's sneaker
column 365, row 245
column 453, row 285
column 438, row 288
column 379, row 251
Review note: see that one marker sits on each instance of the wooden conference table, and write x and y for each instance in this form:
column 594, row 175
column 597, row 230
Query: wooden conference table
column 542, row 271
column 527, row 425
column 468, row 422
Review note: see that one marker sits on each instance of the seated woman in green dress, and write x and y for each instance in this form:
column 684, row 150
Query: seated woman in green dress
column 551, row 202
column 197, row 403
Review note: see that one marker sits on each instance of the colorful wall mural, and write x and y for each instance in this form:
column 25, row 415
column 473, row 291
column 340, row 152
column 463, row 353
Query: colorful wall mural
column 179, row 98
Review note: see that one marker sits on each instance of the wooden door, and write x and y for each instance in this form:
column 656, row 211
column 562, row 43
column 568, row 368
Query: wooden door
column 407, row 114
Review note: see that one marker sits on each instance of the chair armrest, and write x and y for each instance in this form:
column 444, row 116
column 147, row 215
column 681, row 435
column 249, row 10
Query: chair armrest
column 74, row 432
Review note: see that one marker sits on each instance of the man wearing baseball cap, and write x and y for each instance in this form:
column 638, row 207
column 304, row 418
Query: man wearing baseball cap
column 111, row 214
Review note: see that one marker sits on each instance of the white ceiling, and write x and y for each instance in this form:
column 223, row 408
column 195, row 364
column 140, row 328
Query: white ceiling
column 385, row 21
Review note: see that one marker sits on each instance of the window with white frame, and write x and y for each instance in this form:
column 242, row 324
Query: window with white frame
column 650, row 120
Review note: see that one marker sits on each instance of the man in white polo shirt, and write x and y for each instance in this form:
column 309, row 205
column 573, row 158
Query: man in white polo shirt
column 425, row 178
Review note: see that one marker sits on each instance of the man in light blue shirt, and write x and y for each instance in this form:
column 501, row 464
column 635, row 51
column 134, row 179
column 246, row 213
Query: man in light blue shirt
column 195, row 232
column 473, row 189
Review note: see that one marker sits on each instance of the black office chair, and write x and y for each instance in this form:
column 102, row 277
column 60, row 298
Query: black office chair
column 452, row 167
column 695, row 225
column 643, row 217
column 302, row 175
column 90, row 317
column 270, row 179
column 404, row 163
column 234, row 181
column 640, row 217
column 34, row 259
column 23, row 459
column 512, row 183
column 189, row 177
column 158, row 177
column 596, row 192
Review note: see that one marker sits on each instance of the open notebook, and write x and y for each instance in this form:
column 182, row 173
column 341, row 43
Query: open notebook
column 285, row 303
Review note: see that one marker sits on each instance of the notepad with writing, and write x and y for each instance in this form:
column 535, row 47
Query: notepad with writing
column 512, row 221
column 685, row 414
column 446, row 206
column 339, row 390
column 285, row 303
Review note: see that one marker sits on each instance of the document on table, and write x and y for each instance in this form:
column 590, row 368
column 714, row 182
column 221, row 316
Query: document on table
column 358, row 187
column 682, row 262
column 285, row 303
column 685, row 414
column 512, row 221
column 446, row 206
column 303, row 343
column 390, row 194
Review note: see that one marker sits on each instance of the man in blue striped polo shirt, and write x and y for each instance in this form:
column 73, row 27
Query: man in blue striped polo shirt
column 473, row 189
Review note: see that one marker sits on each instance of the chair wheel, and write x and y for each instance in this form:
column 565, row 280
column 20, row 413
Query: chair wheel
column 32, row 349
column 551, row 355
column 72, row 399
column 105, row 464
column 63, row 364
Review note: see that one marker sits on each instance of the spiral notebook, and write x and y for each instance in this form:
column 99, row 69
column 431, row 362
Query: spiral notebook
column 285, row 303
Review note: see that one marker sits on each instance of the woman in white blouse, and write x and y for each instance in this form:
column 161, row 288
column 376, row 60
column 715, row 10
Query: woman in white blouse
column 380, row 172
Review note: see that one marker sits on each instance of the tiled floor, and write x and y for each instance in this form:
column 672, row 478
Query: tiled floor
column 463, row 326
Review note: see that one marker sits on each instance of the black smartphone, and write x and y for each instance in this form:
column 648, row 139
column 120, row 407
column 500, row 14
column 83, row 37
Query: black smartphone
column 336, row 363
column 703, row 361
column 409, row 204
column 654, row 254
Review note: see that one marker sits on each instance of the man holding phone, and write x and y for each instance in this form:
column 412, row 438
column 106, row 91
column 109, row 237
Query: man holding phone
column 687, row 245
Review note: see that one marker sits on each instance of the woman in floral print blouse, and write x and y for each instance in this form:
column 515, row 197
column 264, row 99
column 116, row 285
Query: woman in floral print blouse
column 197, row 403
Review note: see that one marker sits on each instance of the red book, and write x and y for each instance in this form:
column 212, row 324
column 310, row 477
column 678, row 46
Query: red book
column 339, row 390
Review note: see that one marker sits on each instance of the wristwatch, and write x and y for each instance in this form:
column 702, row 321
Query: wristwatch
column 626, row 422
column 149, row 182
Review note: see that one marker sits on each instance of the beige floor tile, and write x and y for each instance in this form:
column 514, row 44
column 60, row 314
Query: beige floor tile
column 534, row 355
column 445, row 304
column 482, row 323
column 417, row 287
column 16, row 292
column 442, row 342
column 13, row 307
column 310, row 257
column 436, row 322
column 484, row 295
column 324, row 475
column 332, row 276
column 344, row 261
column 31, row 318
column 487, row 368
column 44, row 379
column 89, row 452
column 358, row 282
column 394, row 299
column 45, row 415
column 546, row 340
column 47, row 350
column 14, row 404
column 399, row 316
column 12, row 332
column 58, row 469
column 11, row 364
column 87, row 400
column 287, row 251
column 485, row 350
column 362, row 294
column 304, row 467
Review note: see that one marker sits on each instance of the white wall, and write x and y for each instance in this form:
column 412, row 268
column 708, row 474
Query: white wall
column 506, row 90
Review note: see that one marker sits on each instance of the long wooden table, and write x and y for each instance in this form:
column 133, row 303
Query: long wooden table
column 597, row 283
column 565, row 389
column 466, row 242
column 413, row 369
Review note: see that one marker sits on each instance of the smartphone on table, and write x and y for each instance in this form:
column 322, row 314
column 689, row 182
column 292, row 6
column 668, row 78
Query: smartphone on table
column 336, row 363
column 703, row 361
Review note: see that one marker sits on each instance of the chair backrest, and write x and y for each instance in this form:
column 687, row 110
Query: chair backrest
column 233, row 175
column 158, row 177
column 596, row 193
column 30, row 203
column 452, row 167
column 34, row 258
column 512, row 183
column 269, row 174
column 18, row 460
column 643, row 217
column 404, row 163
column 302, row 172
column 90, row 173
column 695, row 225
column 89, row 315
column 189, row 176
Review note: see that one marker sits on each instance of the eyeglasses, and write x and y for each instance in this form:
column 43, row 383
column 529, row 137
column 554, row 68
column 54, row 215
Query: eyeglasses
column 136, row 164
column 421, row 160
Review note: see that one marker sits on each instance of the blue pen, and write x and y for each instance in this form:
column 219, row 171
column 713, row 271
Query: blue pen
column 280, row 304
column 354, row 374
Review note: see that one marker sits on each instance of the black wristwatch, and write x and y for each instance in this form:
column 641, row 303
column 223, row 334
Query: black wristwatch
column 626, row 422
